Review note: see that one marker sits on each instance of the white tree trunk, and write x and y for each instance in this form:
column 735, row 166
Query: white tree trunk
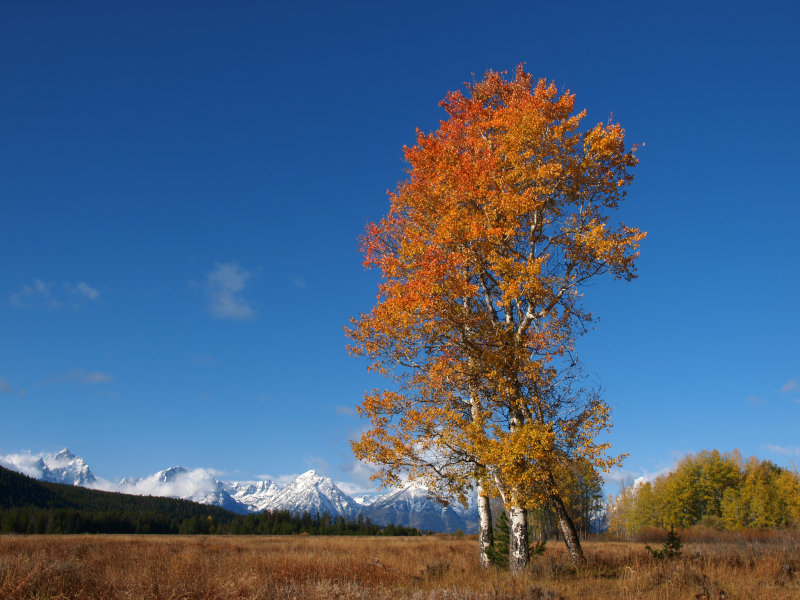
column 485, row 533
column 518, row 551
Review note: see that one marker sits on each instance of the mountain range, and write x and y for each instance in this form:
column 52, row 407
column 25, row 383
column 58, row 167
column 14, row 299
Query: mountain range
column 310, row 492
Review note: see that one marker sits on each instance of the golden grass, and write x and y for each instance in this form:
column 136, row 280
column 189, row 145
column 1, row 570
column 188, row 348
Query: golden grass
column 428, row 568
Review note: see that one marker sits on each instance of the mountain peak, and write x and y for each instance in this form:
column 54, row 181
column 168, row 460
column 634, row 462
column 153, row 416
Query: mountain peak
column 64, row 454
column 170, row 474
column 310, row 492
column 309, row 475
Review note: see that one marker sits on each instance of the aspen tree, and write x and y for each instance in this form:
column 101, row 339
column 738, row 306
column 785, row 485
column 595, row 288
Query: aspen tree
column 505, row 216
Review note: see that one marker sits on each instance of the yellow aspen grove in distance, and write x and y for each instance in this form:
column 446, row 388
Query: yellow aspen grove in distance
column 504, row 217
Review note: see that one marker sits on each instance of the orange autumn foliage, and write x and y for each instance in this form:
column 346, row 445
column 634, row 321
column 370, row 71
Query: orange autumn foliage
column 504, row 216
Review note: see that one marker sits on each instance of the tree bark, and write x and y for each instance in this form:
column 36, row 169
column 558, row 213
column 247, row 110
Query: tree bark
column 518, row 552
column 571, row 538
column 485, row 533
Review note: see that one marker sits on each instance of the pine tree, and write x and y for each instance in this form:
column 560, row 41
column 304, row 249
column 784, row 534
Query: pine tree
column 498, row 552
column 670, row 549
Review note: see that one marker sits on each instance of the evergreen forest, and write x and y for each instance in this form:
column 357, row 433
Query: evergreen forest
column 31, row 506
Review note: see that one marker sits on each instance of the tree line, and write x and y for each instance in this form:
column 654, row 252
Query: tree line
column 31, row 506
column 720, row 490
column 39, row 520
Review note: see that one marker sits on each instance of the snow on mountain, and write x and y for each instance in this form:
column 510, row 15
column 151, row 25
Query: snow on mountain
column 62, row 467
column 364, row 499
column 315, row 494
column 255, row 496
column 197, row 485
column 413, row 506
column 310, row 492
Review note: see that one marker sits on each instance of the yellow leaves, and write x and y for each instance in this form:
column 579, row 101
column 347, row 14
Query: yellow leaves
column 502, row 218
column 716, row 488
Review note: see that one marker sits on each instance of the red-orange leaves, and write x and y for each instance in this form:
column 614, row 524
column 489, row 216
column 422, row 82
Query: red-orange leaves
column 503, row 218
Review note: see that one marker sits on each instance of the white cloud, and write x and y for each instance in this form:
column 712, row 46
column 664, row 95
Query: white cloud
column 790, row 386
column 280, row 479
column 359, row 482
column 36, row 295
column 317, row 463
column 25, row 463
column 83, row 290
column 5, row 388
column 619, row 478
column 180, row 483
column 79, row 377
column 784, row 450
column 40, row 294
column 97, row 377
column 224, row 286
column 347, row 411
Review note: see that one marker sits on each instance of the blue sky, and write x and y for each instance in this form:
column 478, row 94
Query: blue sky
column 182, row 186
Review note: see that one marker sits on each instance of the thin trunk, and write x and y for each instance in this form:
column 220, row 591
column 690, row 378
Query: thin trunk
column 518, row 551
column 485, row 533
column 571, row 538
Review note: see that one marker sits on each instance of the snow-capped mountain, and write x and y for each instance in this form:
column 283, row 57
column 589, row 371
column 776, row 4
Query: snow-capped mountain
column 197, row 485
column 313, row 493
column 413, row 506
column 364, row 499
column 62, row 467
column 255, row 496
column 65, row 467
column 309, row 492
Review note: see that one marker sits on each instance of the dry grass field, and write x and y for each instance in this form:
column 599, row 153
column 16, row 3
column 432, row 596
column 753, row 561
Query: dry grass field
column 304, row 567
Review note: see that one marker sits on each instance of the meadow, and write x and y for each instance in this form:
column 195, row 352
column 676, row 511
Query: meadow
column 50, row 567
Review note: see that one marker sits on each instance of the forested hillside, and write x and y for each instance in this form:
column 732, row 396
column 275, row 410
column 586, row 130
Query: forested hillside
column 31, row 506
column 722, row 491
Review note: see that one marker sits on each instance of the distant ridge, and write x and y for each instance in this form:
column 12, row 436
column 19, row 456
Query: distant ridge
column 35, row 507
column 17, row 489
column 310, row 492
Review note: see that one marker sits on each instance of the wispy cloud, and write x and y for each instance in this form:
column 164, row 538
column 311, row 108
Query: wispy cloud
column 358, row 475
column 616, row 479
column 299, row 282
column 83, row 290
column 96, row 377
column 347, row 411
column 317, row 463
column 24, row 462
column 79, row 377
column 784, row 450
column 41, row 294
column 36, row 295
column 224, row 285
column 5, row 388
column 755, row 400
column 790, row 385
column 179, row 483
column 280, row 479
